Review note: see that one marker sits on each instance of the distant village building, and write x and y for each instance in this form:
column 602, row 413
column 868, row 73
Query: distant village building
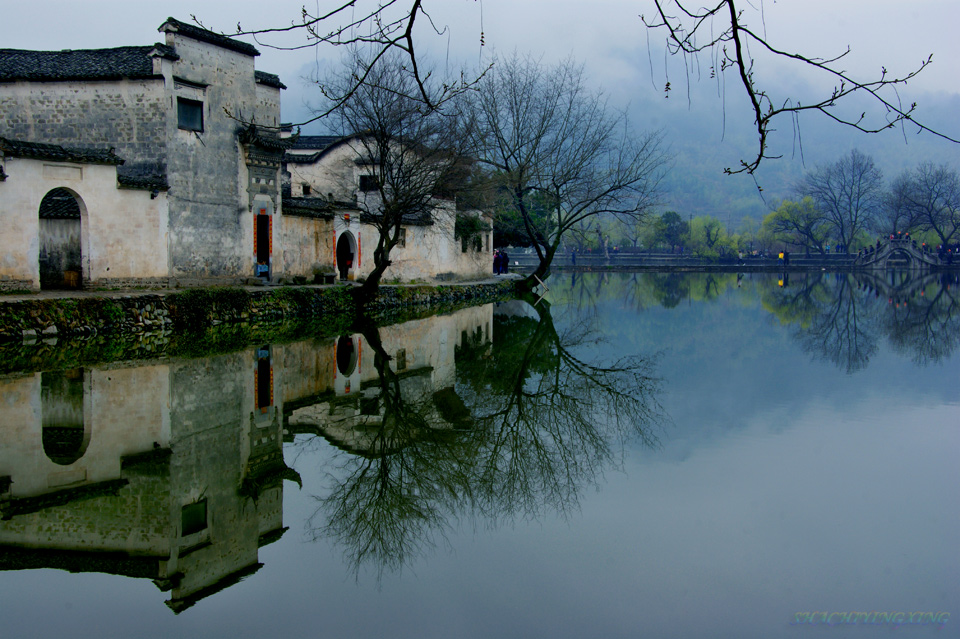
column 334, row 172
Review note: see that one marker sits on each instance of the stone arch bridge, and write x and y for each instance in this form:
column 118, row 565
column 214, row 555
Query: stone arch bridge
column 897, row 254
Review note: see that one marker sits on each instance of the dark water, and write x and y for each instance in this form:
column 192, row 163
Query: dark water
column 652, row 455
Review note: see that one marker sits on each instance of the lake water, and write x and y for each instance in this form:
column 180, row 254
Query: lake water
column 655, row 455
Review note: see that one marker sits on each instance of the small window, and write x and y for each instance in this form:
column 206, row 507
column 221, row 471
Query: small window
column 189, row 114
column 401, row 359
column 369, row 183
column 402, row 238
column 306, row 190
column 193, row 518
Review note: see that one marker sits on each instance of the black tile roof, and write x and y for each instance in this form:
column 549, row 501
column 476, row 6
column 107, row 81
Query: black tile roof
column 315, row 207
column 264, row 138
column 204, row 35
column 315, row 142
column 408, row 219
column 301, row 158
column 20, row 149
column 81, row 64
column 143, row 182
column 268, row 79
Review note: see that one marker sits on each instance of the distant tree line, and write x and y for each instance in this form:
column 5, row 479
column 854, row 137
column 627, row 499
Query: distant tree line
column 835, row 208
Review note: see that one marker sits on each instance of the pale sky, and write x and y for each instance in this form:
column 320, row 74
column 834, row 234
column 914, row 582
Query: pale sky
column 607, row 36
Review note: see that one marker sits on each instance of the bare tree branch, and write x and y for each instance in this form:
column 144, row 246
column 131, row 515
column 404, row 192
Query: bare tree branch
column 691, row 32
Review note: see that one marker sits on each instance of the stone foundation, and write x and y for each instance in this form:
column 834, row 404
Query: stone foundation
column 144, row 325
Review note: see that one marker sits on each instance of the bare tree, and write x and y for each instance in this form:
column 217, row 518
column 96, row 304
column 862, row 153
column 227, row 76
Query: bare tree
column 546, row 137
column 720, row 32
column 930, row 197
column 896, row 214
column 407, row 153
column 849, row 194
column 384, row 27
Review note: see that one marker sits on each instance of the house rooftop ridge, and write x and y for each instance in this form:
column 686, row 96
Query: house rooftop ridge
column 37, row 150
column 115, row 63
column 194, row 32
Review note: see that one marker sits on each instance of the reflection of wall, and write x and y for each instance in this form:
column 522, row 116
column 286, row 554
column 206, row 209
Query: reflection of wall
column 110, row 403
column 423, row 358
column 180, row 480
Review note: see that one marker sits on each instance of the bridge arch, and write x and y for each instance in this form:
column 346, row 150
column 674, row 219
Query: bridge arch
column 896, row 254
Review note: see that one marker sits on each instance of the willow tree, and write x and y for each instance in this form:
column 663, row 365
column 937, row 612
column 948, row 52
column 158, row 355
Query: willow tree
column 546, row 137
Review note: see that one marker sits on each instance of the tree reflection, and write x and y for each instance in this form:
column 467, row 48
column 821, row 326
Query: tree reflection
column 528, row 425
column 841, row 318
column 388, row 503
column 548, row 421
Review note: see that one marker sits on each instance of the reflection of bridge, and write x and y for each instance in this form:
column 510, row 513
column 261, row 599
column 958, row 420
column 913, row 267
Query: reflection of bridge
column 897, row 254
column 900, row 285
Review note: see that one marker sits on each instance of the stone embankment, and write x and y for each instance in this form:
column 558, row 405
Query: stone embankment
column 153, row 316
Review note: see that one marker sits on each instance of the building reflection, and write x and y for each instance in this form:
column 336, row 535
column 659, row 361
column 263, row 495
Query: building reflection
column 173, row 471
column 374, row 370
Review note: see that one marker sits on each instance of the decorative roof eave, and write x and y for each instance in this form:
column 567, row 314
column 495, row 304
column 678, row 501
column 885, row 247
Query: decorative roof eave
column 172, row 25
column 301, row 158
column 315, row 142
column 181, row 604
column 315, row 207
column 424, row 219
column 257, row 136
column 143, row 182
column 55, row 152
column 268, row 79
column 163, row 51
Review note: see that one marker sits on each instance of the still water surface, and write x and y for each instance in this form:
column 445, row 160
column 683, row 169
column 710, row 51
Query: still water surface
column 654, row 455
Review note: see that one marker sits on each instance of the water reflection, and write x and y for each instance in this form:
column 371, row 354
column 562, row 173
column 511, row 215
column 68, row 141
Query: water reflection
column 841, row 318
column 493, row 417
column 838, row 317
column 164, row 471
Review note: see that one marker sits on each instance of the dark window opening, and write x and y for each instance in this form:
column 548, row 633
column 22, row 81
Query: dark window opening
column 402, row 238
column 306, row 190
column 401, row 359
column 189, row 114
column 193, row 518
column 369, row 183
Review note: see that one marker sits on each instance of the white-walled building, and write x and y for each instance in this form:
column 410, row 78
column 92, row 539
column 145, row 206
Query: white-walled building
column 173, row 121
column 335, row 172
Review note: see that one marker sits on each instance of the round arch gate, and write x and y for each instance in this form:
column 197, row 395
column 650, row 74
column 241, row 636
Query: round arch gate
column 346, row 255
column 60, row 240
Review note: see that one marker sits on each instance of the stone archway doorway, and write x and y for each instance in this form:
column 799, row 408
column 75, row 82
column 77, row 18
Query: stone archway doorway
column 60, row 255
column 346, row 254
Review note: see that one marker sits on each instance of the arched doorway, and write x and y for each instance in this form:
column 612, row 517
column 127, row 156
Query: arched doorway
column 346, row 356
column 63, row 431
column 60, row 240
column 346, row 254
